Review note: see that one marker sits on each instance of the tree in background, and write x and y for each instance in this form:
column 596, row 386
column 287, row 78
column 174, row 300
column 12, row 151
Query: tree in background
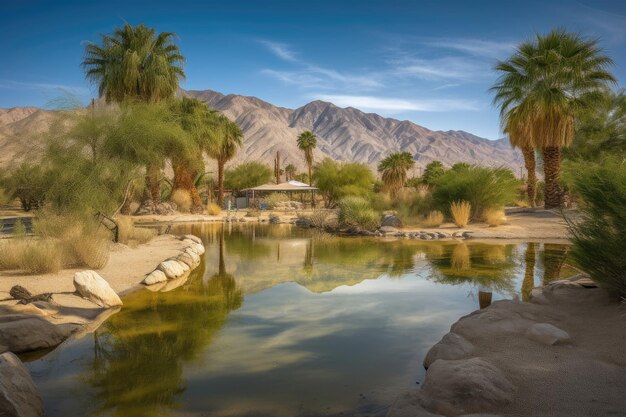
column 394, row 170
column 432, row 172
column 247, row 175
column 290, row 172
column 542, row 88
column 307, row 142
column 337, row 180
column 230, row 139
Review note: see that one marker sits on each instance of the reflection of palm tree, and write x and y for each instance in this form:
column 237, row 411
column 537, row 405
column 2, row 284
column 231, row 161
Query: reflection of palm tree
column 553, row 259
column 529, row 275
column 308, row 258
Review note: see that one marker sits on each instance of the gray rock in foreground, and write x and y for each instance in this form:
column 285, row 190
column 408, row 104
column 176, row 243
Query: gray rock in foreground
column 451, row 346
column 26, row 333
column 547, row 334
column 18, row 394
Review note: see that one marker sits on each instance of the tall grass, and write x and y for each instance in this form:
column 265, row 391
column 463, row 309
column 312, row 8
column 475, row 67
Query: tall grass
column 131, row 235
column 484, row 188
column 599, row 239
column 357, row 211
column 33, row 256
column 409, row 205
column 461, row 212
column 433, row 219
column 213, row 209
column 494, row 217
column 182, row 198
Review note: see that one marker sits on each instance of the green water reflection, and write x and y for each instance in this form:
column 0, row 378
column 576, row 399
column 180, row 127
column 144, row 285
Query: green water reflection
column 283, row 321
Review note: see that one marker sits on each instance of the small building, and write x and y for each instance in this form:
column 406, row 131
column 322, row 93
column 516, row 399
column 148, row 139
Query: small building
column 255, row 194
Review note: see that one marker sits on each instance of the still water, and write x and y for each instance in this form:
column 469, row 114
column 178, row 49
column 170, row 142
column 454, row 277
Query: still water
column 280, row 321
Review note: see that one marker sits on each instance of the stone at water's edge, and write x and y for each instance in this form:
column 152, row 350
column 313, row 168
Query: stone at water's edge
column 93, row 287
column 172, row 269
column 154, row 277
column 468, row 385
column 18, row 394
column 388, row 229
column 194, row 238
column 391, row 220
column 451, row 346
column 547, row 334
column 21, row 331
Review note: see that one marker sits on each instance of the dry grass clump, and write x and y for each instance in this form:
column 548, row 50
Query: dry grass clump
column 90, row 251
column 33, row 256
column 274, row 199
column 182, row 198
column 318, row 218
column 495, row 217
column 433, row 219
column 213, row 209
column 461, row 212
column 131, row 235
column 522, row 203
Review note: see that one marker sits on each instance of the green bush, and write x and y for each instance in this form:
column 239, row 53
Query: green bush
column 410, row 205
column 338, row 180
column 599, row 239
column 433, row 172
column 247, row 175
column 274, row 199
column 357, row 211
column 484, row 188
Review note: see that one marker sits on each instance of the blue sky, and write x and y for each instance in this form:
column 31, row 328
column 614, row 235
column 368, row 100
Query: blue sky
column 427, row 61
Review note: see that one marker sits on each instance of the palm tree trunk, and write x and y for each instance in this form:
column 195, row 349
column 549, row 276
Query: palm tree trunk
column 153, row 182
column 531, row 183
column 551, row 169
column 220, row 183
column 529, row 274
column 311, row 184
column 184, row 180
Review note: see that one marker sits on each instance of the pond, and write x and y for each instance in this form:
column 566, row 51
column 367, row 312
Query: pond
column 281, row 321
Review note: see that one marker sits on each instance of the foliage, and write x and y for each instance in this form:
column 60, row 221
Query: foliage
column 307, row 142
column 182, row 198
column 494, row 217
column 599, row 241
column 290, row 172
column 131, row 235
column 485, row 188
column 28, row 183
column 229, row 139
column 433, row 219
column 460, row 211
column 135, row 62
column 409, row 204
column 337, row 180
column 275, row 199
column 31, row 255
column 433, row 171
column 394, row 170
column 213, row 209
column 357, row 211
column 247, row 175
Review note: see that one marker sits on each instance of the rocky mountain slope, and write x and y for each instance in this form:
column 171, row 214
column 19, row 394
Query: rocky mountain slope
column 344, row 134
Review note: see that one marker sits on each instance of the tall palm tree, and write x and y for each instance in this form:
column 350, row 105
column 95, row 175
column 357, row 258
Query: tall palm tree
column 200, row 122
column 394, row 169
column 307, row 141
column 134, row 62
column 230, row 139
column 542, row 87
column 290, row 172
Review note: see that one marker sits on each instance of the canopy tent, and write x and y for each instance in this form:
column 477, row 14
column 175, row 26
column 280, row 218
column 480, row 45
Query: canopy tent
column 283, row 187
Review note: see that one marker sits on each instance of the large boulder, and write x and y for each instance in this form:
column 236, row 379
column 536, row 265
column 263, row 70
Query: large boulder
column 171, row 268
column 469, row 385
column 391, row 220
column 187, row 259
column 547, row 334
column 451, row 346
column 93, row 287
column 193, row 238
column 502, row 318
column 18, row 394
column 154, row 277
column 26, row 333
column 194, row 256
column 388, row 229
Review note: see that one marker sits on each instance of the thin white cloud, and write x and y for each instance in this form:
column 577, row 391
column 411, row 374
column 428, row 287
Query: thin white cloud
column 451, row 68
column 398, row 105
column 475, row 47
column 281, row 50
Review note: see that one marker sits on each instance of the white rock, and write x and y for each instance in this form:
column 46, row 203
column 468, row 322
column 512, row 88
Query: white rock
column 93, row 287
column 186, row 259
column 171, row 268
column 154, row 277
column 194, row 256
column 470, row 385
column 183, row 265
column 18, row 394
column 451, row 346
column 197, row 248
column 193, row 238
column 547, row 334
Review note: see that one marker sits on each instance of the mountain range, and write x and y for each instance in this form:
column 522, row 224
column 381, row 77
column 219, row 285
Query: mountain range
column 344, row 134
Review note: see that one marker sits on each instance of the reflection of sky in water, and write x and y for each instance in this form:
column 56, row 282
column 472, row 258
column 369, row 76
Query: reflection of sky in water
column 318, row 333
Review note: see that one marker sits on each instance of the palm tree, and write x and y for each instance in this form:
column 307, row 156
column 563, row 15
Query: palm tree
column 290, row 172
column 541, row 89
column 229, row 139
column 134, row 62
column 394, row 169
column 307, row 141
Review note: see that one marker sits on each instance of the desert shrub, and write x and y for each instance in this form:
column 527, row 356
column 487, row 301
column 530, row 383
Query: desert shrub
column 182, row 198
column 337, row 180
column 357, row 211
column 460, row 211
column 247, row 175
column 484, row 188
column 91, row 251
column 131, row 235
column 28, row 183
column 433, row 219
column 34, row 256
column 599, row 240
column 213, row 209
column 274, row 199
column 318, row 218
column 433, row 172
column 409, row 204
column 494, row 217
